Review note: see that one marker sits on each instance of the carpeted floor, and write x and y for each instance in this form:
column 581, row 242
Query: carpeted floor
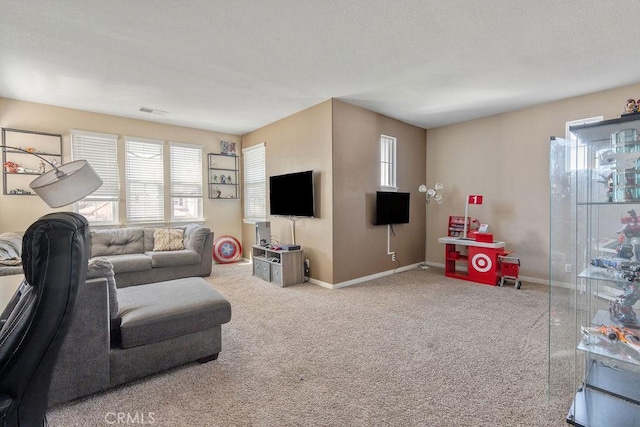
column 410, row 349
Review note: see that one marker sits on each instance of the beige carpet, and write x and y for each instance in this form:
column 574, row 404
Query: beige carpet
column 410, row 349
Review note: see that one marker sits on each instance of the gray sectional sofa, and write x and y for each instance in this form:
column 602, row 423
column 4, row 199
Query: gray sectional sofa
column 141, row 310
column 156, row 326
column 136, row 260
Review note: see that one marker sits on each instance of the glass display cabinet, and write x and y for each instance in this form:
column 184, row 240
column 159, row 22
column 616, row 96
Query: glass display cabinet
column 594, row 320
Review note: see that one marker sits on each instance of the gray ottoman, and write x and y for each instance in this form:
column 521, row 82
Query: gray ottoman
column 166, row 324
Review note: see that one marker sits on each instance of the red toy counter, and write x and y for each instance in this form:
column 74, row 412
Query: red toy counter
column 481, row 259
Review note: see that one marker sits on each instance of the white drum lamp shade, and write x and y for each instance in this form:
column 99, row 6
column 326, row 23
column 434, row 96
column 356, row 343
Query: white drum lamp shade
column 67, row 183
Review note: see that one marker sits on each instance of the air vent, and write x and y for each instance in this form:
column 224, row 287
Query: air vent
column 153, row 111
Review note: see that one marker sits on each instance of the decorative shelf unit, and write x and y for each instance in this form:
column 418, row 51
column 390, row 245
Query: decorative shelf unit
column 283, row 268
column 595, row 272
column 223, row 176
column 48, row 145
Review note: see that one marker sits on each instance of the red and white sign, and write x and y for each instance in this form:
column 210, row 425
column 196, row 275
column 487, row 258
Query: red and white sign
column 475, row 199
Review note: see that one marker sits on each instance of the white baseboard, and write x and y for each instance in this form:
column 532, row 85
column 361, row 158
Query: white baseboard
column 411, row 267
column 362, row 279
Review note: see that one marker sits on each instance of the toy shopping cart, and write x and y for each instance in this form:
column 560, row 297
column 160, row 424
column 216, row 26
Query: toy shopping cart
column 509, row 269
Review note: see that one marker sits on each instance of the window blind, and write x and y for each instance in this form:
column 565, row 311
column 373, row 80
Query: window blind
column 100, row 150
column 255, row 188
column 186, row 181
column 144, row 177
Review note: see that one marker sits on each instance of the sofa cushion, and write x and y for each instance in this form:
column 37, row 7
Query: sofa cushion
column 163, row 310
column 173, row 258
column 117, row 241
column 168, row 239
column 101, row 267
column 129, row 262
column 148, row 237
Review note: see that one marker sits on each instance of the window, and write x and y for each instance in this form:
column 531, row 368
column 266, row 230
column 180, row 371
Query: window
column 99, row 149
column 145, row 180
column 577, row 159
column 255, row 183
column 387, row 163
column 186, row 181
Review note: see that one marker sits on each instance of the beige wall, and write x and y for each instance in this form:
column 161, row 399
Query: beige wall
column 18, row 212
column 359, row 247
column 297, row 143
column 506, row 159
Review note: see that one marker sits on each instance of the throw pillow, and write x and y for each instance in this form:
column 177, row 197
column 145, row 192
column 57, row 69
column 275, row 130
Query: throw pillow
column 168, row 239
column 101, row 267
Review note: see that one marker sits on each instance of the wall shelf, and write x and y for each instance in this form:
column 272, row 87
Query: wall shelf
column 48, row 145
column 223, row 175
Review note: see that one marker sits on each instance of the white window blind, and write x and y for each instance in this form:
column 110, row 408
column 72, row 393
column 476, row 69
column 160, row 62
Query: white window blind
column 144, row 176
column 186, row 181
column 387, row 163
column 255, row 183
column 100, row 150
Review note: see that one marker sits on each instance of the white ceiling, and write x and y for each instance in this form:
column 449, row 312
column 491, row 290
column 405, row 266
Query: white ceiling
column 236, row 65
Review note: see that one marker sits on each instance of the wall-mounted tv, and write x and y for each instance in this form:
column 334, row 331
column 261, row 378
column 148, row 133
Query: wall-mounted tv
column 391, row 208
column 292, row 194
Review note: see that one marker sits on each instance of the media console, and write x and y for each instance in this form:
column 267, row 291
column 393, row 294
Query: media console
column 281, row 267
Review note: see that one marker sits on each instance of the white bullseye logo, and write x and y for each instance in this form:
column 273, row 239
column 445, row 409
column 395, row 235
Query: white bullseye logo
column 481, row 262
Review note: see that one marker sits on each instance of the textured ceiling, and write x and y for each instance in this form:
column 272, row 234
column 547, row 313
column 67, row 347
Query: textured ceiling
column 234, row 66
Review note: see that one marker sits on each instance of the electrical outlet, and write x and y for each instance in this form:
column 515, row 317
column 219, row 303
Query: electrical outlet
column 394, row 257
column 567, row 268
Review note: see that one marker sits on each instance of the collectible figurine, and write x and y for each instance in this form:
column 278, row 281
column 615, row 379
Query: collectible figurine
column 616, row 333
column 632, row 107
column 621, row 308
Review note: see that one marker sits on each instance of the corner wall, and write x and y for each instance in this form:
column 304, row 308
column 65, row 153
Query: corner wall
column 359, row 247
column 297, row 143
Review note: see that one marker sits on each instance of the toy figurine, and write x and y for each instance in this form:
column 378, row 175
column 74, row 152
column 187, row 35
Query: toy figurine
column 41, row 167
column 215, row 178
column 632, row 107
column 223, row 179
column 621, row 308
column 11, row 167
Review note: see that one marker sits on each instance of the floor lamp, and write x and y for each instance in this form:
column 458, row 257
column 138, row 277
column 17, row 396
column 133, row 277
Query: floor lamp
column 63, row 184
column 431, row 194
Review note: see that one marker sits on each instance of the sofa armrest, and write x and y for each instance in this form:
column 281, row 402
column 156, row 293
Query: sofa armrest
column 83, row 362
column 200, row 239
column 195, row 237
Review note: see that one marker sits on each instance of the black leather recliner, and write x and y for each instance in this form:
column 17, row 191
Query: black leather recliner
column 55, row 253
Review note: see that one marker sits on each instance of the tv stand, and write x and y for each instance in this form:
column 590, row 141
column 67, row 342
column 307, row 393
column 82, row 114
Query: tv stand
column 280, row 267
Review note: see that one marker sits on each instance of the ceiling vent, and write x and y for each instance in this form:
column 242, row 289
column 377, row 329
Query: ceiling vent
column 153, row 111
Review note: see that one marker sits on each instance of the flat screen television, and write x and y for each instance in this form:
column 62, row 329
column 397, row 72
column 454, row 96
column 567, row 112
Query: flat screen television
column 292, row 194
column 391, row 208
